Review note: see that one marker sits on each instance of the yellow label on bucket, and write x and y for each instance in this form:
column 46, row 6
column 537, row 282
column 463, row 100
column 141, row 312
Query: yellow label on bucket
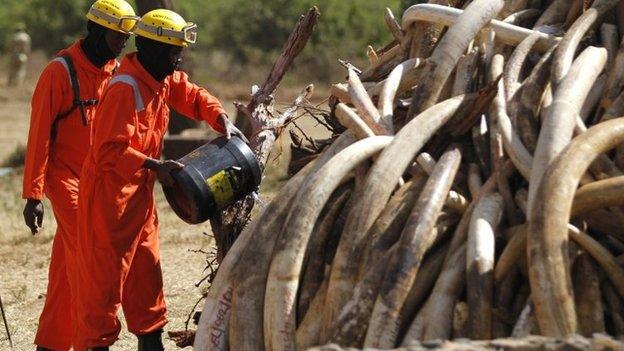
column 221, row 187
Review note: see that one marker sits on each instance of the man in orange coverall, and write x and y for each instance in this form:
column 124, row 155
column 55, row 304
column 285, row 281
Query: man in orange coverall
column 118, row 250
column 62, row 108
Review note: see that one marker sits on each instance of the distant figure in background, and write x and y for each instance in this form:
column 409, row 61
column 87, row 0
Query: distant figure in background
column 19, row 49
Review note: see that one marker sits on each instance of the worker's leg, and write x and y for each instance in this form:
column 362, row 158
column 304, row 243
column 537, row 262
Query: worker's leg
column 21, row 71
column 143, row 298
column 54, row 330
column 55, row 323
column 105, row 252
column 12, row 75
column 15, row 69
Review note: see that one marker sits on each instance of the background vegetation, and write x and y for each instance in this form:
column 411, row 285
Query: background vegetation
column 233, row 34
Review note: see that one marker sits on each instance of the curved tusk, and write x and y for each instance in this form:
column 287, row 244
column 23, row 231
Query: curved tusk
column 388, row 93
column 287, row 261
column 409, row 77
column 555, row 13
column 350, row 120
column 549, row 273
column 362, row 101
column 369, row 203
column 415, row 240
column 393, row 26
column 480, row 264
column 214, row 315
column 561, row 117
column 518, row 154
column 450, row 49
column 564, row 54
column 597, row 195
column 505, row 32
column 513, row 68
column 522, row 16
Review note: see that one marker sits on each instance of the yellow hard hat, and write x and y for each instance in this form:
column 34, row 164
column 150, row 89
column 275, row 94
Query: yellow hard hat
column 166, row 27
column 113, row 14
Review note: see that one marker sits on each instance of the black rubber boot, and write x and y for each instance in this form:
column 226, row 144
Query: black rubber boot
column 39, row 348
column 151, row 341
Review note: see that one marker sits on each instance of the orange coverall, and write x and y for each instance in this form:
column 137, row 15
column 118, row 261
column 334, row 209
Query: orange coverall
column 118, row 250
column 53, row 167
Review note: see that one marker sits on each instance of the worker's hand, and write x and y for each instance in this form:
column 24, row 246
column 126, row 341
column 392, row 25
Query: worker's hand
column 163, row 171
column 33, row 215
column 229, row 128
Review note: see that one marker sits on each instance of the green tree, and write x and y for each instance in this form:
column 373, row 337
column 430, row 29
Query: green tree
column 253, row 32
column 247, row 33
column 54, row 25
column 10, row 12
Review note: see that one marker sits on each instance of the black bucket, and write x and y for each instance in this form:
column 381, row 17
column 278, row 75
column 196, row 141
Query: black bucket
column 214, row 176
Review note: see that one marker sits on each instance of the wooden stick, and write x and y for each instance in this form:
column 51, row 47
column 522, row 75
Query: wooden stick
column 6, row 323
column 294, row 45
column 394, row 26
column 228, row 226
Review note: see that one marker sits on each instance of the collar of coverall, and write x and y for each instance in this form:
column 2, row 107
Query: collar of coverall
column 130, row 64
column 80, row 60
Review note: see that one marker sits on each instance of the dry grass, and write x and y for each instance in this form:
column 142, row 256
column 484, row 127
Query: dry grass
column 25, row 259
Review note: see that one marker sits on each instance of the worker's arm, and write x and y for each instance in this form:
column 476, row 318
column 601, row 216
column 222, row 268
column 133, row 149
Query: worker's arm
column 116, row 121
column 33, row 215
column 46, row 104
column 196, row 102
column 162, row 169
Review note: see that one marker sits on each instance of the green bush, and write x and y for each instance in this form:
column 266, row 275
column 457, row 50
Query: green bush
column 248, row 33
column 253, row 32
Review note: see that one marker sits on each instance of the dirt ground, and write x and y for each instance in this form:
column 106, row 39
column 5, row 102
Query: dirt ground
column 25, row 259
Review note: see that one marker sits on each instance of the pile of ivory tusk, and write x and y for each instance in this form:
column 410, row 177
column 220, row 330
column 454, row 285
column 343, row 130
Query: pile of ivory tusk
column 477, row 192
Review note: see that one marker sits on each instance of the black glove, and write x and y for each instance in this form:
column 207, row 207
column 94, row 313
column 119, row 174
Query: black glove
column 163, row 169
column 33, row 215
